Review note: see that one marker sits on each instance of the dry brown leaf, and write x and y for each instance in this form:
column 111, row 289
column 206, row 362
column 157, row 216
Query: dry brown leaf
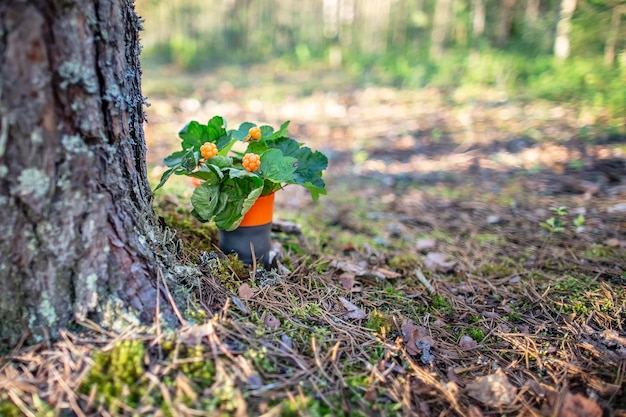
column 493, row 390
column 360, row 271
column 418, row 341
column 466, row 342
column 573, row 405
column 452, row 376
column 425, row 243
column 387, row 273
column 354, row 312
column 615, row 243
column 438, row 262
column 347, row 280
column 271, row 322
column 193, row 336
column 348, row 267
column 246, row 292
column 490, row 315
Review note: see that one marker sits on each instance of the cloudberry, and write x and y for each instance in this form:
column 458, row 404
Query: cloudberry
column 255, row 133
column 208, row 150
column 251, row 162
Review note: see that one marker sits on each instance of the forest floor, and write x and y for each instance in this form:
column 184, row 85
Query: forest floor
column 423, row 284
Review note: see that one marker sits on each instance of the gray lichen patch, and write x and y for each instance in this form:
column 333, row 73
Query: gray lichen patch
column 32, row 187
column 117, row 317
column 87, row 296
column 4, row 170
column 74, row 73
column 74, row 144
column 35, row 137
column 43, row 316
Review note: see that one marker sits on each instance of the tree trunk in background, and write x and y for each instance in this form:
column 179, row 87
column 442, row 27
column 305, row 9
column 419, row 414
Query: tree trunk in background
column 478, row 21
column 505, row 19
column 563, row 27
column 76, row 219
column 531, row 15
column 611, row 41
column 441, row 26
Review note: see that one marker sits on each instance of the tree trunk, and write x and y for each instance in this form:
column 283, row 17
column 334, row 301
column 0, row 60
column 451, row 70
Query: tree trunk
column 441, row 25
column 76, row 219
column 505, row 19
column 611, row 41
column 478, row 21
column 531, row 16
column 563, row 27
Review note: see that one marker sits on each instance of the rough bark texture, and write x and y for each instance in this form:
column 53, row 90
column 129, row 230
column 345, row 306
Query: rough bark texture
column 75, row 205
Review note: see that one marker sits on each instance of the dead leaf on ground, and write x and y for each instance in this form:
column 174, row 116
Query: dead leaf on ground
column 573, row 405
column 347, row 280
column 360, row 271
column 425, row 243
column 418, row 341
column 246, row 292
column 436, row 261
column 615, row 243
column 271, row 322
column 354, row 312
column 493, row 390
column 348, row 267
column 193, row 336
column 452, row 376
column 466, row 342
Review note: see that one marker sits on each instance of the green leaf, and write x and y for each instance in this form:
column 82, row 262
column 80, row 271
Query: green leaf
column 315, row 191
column 282, row 131
column 210, row 176
column 204, row 199
column 220, row 161
column 277, row 167
column 256, row 147
column 266, row 131
column 219, row 135
column 310, row 164
column 239, row 173
column 175, row 160
column 239, row 195
column 226, row 148
column 194, row 135
column 166, row 175
column 190, row 161
column 213, row 169
column 195, row 214
column 241, row 133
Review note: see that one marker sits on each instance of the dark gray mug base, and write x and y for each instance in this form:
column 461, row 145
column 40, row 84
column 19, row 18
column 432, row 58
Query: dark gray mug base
column 239, row 241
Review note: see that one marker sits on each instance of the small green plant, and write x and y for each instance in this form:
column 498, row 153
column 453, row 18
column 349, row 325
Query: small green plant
column 579, row 222
column 230, row 181
column 439, row 302
column 379, row 323
column 476, row 334
column 555, row 224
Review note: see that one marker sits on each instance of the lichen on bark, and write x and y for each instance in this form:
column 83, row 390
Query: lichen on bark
column 76, row 203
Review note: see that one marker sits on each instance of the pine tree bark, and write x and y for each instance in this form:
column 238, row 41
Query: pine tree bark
column 76, row 220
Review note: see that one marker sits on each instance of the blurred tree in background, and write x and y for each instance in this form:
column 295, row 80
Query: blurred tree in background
column 554, row 49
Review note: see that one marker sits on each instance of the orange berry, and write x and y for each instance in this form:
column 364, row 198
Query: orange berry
column 208, row 150
column 251, row 162
column 254, row 133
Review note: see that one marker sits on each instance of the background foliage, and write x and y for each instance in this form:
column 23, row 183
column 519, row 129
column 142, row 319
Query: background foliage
column 408, row 43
